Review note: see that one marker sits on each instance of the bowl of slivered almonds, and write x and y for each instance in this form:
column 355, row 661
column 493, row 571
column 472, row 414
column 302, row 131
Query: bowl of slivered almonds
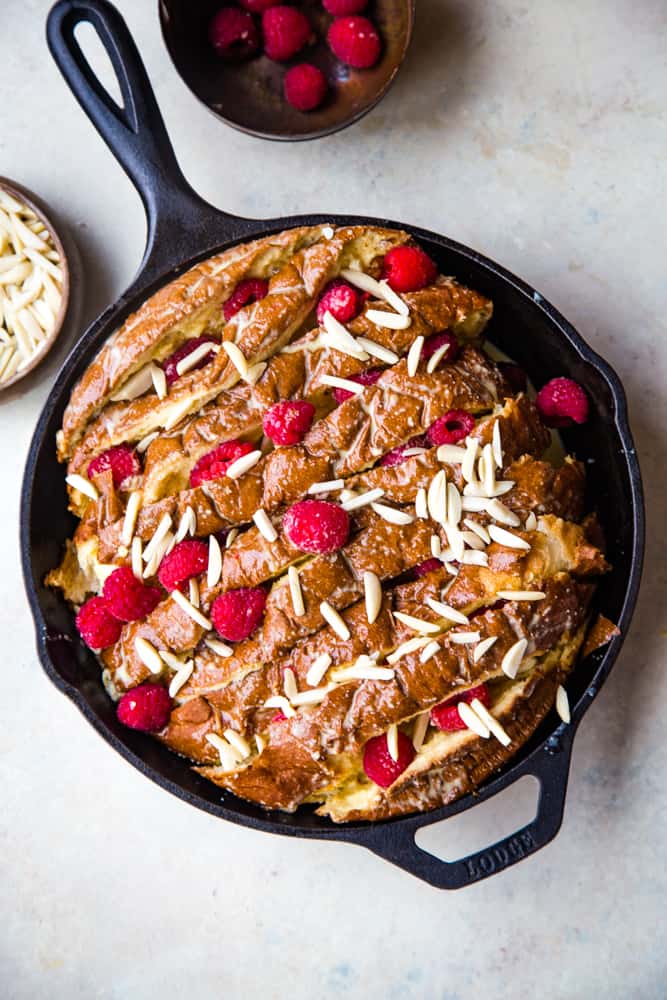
column 34, row 283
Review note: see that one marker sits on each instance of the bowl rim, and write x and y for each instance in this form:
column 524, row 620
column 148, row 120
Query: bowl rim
column 315, row 133
column 35, row 203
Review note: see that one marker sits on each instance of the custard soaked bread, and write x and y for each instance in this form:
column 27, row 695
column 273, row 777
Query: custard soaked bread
column 322, row 551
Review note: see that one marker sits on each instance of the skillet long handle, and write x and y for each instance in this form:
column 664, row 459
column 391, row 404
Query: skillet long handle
column 135, row 132
column 397, row 843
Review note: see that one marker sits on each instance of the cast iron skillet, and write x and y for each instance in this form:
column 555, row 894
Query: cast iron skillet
column 183, row 229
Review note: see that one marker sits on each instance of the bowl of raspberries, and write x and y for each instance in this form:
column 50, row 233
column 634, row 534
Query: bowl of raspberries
column 288, row 71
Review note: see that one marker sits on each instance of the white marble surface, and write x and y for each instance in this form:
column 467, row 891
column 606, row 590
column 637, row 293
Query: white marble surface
column 537, row 133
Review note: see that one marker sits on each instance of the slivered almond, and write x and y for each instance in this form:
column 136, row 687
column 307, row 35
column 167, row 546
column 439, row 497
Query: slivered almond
column 363, row 670
column 130, row 519
column 191, row 360
column 372, row 596
column 193, row 592
column 363, row 499
column 483, row 647
column 218, row 647
column 468, row 463
column 507, row 538
column 362, row 280
column 499, row 512
column 266, row 529
column 393, row 298
column 332, row 617
column 312, row 697
column 180, row 678
column 177, row 413
column 342, row 383
column 391, row 514
column 421, row 506
column 411, row 646
column 490, row 722
column 214, row 568
column 255, row 372
column 135, row 555
column 228, row 756
column 455, row 540
column 417, row 624
column 419, row 732
column 148, row 655
column 231, row 537
column 531, row 522
column 186, row 525
column 473, row 558
column 318, row 669
column 479, row 530
column 340, row 339
column 190, row 610
column 236, row 356
column 472, row 720
column 497, row 446
column 171, row 659
column 295, row 591
column 392, row 741
column 289, row 683
column 243, row 464
column 436, row 358
column 326, row 487
column 512, row 658
column 436, row 498
column 521, row 595
column 238, row 742
column 280, row 702
column 414, row 355
column 451, row 454
column 159, row 380
column 83, row 486
column 135, row 386
column 474, row 505
column 378, row 351
column 260, row 743
column 453, row 504
column 429, row 650
column 436, row 546
column 473, row 540
column 447, row 612
column 464, row 638
column 563, row 704
column 164, row 526
column 388, row 320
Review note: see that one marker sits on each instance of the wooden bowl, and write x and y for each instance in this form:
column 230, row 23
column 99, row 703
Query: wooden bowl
column 26, row 197
column 249, row 95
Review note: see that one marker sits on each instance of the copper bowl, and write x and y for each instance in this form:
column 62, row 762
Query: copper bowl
column 249, row 95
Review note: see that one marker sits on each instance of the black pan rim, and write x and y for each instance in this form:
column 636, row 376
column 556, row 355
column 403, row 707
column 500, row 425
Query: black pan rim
column 360, row 832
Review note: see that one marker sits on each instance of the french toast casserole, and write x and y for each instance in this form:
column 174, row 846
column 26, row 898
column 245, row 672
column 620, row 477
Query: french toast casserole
column 323, row 549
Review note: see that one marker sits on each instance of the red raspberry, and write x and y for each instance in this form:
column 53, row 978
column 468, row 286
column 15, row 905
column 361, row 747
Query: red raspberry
column 407, row 269
column 121, row 459
column 514, row 375
column 127, row 598
column 428, row 566
column 446, row 715
column 215, row 463
column 397, row 455
column 233, row 34
column 97, row 626
column 562, row 402
column 341, row 8
column 248, row 290
column 258, row 6
column 305, row 87
column 317, row 526
column 369, row 377
column 452, row 427
column 237, row 613
column 186, row 559
column 286, row 31
column 354, row 41
column 438, row 340
column 286, row 423
column 380, row 766
column 340, row 299
column 146, row 708
column 170, row 363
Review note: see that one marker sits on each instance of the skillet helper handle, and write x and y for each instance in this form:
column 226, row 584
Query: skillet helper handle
column 397, row 843
column 135, row 132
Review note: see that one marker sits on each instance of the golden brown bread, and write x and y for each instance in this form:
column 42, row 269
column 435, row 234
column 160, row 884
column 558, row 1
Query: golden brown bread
column 436, row 546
